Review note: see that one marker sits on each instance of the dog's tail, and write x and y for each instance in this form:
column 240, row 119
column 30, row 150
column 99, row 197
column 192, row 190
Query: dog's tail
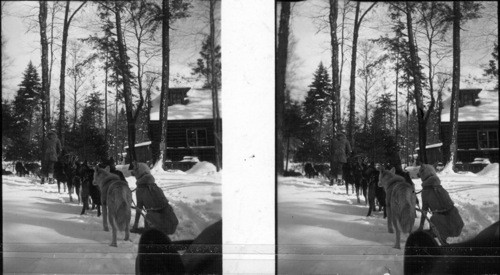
column 124, row 210
column 408, row 215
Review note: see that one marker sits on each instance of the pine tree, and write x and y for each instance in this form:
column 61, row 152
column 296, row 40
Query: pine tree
column 202, row 68
column 26, row 105
column 27, row 100
column 317, row 112
column 94, row 146
column 492, row 68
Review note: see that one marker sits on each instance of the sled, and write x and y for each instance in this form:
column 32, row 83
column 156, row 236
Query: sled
column 479, row 255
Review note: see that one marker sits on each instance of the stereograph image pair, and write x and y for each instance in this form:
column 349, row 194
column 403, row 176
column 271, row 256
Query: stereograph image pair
column 387, row 153
column 386, row 119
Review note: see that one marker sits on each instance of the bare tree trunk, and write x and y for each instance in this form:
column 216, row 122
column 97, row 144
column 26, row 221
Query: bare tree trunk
column 397, row 111
column 342, row 61
column 51, row 44
column 106, row 101
column 422, row 129
column 407, row 124
column 281, row 60
column 287, row 152
column 215, row 96
column 352, row 84
column 75, row 104
column 116, row 122
column 42, row 18
column 165, row 74
column 455, row 86
column 127, row 91
column 62, row 75
column 334, row 10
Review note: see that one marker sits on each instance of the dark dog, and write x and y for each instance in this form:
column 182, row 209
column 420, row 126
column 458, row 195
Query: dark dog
column 20, row 169
column 357, row 174
column 323, row 170
column 371, row 175
column 86, row 174
column 65, row 172
column 310, row 171
column 479, row 255
column 348, row 174
column 158, row 255
column 34, row 169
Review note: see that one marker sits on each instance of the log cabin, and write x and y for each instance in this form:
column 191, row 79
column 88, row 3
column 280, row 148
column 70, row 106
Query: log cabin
column 190, row 127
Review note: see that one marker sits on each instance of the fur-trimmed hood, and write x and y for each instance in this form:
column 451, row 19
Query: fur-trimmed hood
column 143, row 174
column 428, row 176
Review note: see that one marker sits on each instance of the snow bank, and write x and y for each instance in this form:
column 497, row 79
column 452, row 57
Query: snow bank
column 491, row 170
column 447, row 170
column 202, row 168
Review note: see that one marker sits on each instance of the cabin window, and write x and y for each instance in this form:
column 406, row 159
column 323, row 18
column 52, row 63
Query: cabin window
column 466, row 99
column 176, row 98
column 488, row 139
column 196, row 137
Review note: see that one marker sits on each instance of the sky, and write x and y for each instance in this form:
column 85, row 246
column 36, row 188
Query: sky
column 23, row 43
column 312, row 44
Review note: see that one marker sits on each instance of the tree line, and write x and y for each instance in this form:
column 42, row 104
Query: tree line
column 130, row 38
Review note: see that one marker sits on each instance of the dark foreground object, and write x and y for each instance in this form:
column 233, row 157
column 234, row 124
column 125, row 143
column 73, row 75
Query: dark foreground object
column 480, row 255
column 159, row 255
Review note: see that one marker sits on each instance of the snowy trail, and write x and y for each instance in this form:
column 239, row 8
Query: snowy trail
column 321, row 230
column 44, row 233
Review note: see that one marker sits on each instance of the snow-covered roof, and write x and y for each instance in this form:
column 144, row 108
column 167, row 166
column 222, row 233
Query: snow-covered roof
column 198, row 107
column 487, row 110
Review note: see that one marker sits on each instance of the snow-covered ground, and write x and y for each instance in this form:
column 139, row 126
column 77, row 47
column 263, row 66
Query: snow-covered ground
column 321, row 230
column 44, row 233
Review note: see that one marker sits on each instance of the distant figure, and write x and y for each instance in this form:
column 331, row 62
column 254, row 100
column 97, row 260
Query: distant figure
column 50, row 156
column 341, row 149
column 310, row 171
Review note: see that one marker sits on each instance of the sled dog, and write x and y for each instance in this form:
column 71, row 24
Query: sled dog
column 116, row 200
column 400, row 203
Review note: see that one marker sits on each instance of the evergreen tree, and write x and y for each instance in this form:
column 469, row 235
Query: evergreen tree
column 293, row 129
column 317, row 104
column 93, row 146
column 492, row 68
column 24, row 118
column 317, row 115
column 202, row 68
column 7, row 126
column 93, row 112
column 383, row 115
column 27, row 100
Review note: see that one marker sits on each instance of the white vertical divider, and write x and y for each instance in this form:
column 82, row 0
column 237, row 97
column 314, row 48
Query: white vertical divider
column 248, row 121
